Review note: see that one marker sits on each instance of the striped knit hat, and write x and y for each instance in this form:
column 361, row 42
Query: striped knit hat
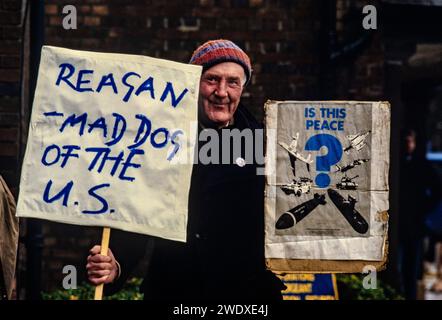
column 217, row 51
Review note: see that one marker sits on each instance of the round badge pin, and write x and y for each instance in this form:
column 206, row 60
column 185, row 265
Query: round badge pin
column 240, row 162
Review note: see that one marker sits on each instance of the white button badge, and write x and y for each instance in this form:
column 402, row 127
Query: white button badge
column 240, row 162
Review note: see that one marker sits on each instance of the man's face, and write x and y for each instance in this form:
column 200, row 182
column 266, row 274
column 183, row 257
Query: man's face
column 410, row 144
column 220, row 92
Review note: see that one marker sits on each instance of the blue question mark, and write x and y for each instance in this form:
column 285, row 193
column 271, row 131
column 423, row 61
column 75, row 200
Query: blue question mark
column 323, row 163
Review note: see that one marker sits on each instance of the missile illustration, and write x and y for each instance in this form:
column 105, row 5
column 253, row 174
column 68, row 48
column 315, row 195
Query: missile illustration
column 350, row 166
column 293, row 216
column 347, row 208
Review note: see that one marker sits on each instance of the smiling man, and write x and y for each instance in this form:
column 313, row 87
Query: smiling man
column 221, row 87
column 226, row 70
column 223, row 258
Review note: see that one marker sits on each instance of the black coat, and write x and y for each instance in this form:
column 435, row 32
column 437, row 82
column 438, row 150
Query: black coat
column 223, row 258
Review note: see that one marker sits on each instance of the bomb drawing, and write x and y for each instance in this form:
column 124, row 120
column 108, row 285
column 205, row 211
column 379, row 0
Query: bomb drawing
column 347, row 208
column 293, row 216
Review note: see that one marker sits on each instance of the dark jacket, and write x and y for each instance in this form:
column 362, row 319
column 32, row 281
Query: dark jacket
column 223, row 258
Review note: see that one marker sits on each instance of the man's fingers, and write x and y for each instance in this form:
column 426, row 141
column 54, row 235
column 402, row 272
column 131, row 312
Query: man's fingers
column 98, row 266
column 99, row 258
column 98, row 273
column 95, row 250
column 97, row 281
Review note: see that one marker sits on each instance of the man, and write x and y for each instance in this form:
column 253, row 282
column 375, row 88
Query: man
column 223, row 257
column 417, row 195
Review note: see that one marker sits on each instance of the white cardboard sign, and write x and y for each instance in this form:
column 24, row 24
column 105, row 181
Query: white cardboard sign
column 327, row 187
column 104, row 132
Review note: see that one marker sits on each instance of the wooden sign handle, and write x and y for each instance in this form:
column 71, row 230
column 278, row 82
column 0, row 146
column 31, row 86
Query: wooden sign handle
column 104, row 249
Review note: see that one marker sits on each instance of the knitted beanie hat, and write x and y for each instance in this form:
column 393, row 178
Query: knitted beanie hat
column 217, row 51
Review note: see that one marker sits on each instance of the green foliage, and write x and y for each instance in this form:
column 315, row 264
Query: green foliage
column 350, row 287
column 86, row 292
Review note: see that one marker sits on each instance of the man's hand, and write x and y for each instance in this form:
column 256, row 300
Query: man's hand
column 101, row 269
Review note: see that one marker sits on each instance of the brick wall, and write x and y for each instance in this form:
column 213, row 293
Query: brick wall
column 278, row 35
column 64, row 245
column 11, row 39
column 361, row 77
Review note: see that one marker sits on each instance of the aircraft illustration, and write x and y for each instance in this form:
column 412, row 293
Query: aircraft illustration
column 357, row 141
column 294, row 154
column 291, row 217
column 347, row 167
column 347, row 208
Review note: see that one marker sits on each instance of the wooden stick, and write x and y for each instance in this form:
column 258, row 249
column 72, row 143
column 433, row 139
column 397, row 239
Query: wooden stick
column 104, row 249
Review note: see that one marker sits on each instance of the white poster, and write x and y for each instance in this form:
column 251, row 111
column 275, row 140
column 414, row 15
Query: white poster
column 327, row 182
column 105, row 134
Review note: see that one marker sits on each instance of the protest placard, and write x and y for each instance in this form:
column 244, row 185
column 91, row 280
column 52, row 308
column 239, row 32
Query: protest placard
column 327, row 183
column 104, row 133
column 309, row 286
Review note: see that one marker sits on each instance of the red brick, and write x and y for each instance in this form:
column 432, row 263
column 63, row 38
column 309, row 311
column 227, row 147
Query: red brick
column 207, row 3
column 114, row 32
column 131, row 10
column 256, row 3
column 10, row 134
column 84, row 9
column 236, row 36
column 11, row 32
column 9, row 75
column 10, row 62
column 55, row 21
column 206, row 13
column 51, row 9
column 204, row 34
column 101, row 1
column 92, row 21
column 100, row 10
column 9, row 104
column 13, row 5
column 225, row 3
column 69, row 42
column 91, row 43
column 50, row 241
column 9, row 119
column 238, row 13
column 9, row 18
